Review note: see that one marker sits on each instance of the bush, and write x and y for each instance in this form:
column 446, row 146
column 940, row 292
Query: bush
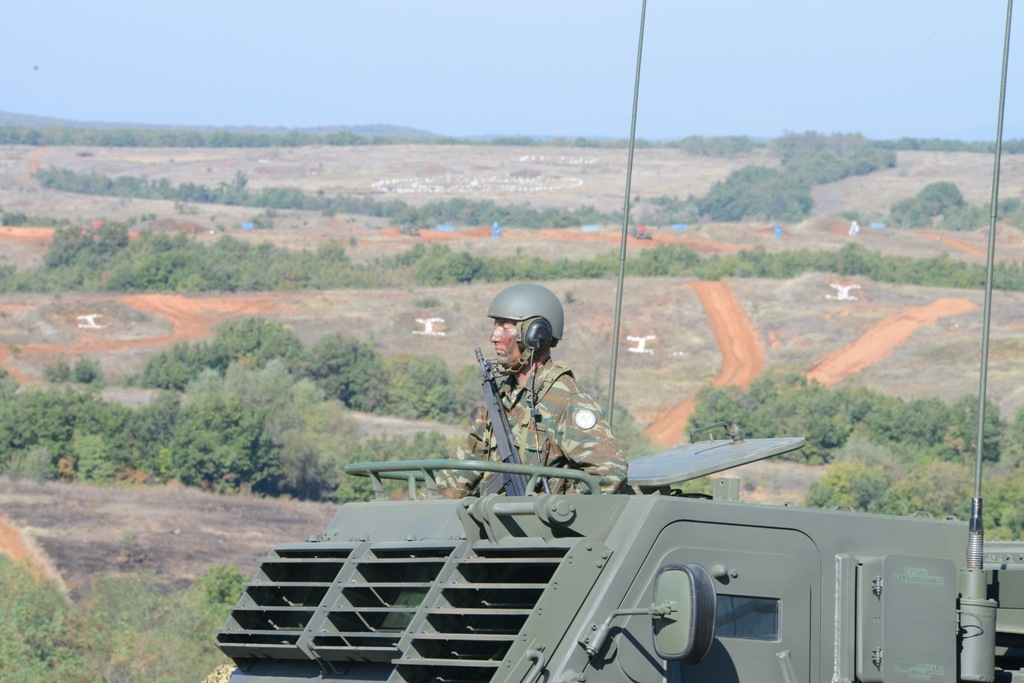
column 442, row 266
column 57, row 371
column 758, row 192
column 422, row 446
column 130, row 628
column 34, row 623
column 87, row 371
column 348, row 370
column 850, row 483
column 35, row 464
column 422, row 388
column 94, row 462
column 936, row 199
column 251, row 341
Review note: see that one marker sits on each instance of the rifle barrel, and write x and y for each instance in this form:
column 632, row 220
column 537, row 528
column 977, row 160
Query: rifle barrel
column 514, row 484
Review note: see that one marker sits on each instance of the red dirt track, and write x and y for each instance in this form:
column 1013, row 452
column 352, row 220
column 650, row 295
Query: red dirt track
column 194, row 317
column 14, row 545
column 191, row 317
column 40, row 236
column 882, row 339
column 956, row 244
column 742, row 355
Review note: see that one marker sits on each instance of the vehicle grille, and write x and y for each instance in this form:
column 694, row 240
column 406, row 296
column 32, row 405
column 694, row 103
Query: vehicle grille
column 434, row 612
column 279, row 602
column 375, row 603
column 465, row 634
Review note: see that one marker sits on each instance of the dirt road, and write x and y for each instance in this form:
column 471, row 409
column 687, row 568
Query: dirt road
column 959, row 245
column 191, row 318
column 882, row 339
column 743, row 356
column 22, row 548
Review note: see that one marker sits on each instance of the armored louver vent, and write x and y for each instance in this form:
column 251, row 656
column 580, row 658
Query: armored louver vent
column 376, row 603
column 279, row 602
column 435, row 612
column 466, row 632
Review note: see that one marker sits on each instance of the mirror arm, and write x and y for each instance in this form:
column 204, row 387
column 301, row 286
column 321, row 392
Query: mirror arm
column 593, row 643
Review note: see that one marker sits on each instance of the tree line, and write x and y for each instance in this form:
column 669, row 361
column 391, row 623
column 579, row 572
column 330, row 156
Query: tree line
column 264, row 431
column 106, row 260
column 942, row 206
column 250, row 410
column 237, row 193
column 58, row 136
column 126, row 136
column 62, row 136
column 748, row 193
column 275, row 421
column 884, row 454
column 785, row 193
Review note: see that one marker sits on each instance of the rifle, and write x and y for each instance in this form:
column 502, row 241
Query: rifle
column 512, row 484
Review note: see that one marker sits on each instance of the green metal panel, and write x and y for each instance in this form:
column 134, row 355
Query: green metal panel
column 906, row 630
column 703, row 458
column 779, row 565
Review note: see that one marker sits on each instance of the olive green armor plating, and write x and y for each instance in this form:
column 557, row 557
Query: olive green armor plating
column 639, row 586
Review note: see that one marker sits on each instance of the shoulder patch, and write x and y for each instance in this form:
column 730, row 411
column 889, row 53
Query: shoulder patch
column 585, row 419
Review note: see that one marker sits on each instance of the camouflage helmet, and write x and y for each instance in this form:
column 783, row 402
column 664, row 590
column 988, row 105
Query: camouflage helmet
column 526, row 304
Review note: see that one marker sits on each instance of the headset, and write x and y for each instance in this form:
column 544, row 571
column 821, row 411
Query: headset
column 533, row 333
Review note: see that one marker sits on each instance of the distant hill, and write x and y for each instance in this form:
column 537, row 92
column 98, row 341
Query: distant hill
column 376, row 129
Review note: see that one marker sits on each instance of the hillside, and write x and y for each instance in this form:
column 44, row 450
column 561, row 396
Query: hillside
column 31, row 121
column 903, row 340
column 78, row 531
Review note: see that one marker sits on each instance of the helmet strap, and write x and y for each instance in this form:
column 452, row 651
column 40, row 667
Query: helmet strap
column 526, row 356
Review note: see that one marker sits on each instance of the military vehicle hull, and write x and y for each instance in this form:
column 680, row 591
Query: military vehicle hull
column 515, row 588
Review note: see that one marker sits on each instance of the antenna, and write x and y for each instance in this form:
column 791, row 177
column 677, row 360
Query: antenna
column 977, row 659
column 625, row 223
column 990, row 267
column 987, row 313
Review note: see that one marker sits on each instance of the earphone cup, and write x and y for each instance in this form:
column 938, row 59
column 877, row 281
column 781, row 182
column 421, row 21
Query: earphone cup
column 538, row 335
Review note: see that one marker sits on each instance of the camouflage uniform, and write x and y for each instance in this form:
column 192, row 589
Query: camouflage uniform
column 572, row 432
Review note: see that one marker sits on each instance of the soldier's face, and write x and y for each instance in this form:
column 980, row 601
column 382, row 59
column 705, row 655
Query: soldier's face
column 504, row 339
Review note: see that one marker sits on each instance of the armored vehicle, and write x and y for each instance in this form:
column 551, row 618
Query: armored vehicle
column 648, row 585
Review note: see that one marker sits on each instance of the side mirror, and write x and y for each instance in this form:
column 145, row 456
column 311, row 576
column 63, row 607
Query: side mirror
column 685, row 626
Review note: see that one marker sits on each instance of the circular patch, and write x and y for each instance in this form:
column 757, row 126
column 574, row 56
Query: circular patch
column 585, row 419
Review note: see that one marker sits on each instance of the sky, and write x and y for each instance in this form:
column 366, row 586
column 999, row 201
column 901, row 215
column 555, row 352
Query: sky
column 882, row 68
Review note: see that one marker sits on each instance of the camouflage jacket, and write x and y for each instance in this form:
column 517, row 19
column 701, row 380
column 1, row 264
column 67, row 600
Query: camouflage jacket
column 571, row 432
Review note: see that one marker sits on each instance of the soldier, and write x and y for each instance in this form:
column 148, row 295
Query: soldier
column 567, row 429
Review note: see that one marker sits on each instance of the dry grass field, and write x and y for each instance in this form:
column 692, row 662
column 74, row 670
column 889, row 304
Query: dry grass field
column 904, row 340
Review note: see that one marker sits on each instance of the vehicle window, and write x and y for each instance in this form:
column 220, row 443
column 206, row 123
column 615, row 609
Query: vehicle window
column 745, row 617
